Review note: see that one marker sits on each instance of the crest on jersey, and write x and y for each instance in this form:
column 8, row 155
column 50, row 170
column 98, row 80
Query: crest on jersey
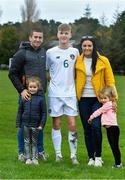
column 72, row 56
column 57, row 57
column 49, row 111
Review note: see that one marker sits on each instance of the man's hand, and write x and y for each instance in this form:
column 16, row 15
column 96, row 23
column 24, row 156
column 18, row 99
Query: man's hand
column 26, row 95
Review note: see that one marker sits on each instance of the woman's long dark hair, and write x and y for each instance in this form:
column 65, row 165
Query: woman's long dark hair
column 94, row 53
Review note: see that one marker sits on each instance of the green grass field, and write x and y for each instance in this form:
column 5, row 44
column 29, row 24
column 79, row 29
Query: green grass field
column 11, row 168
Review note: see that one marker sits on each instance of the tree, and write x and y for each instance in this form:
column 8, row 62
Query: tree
column 103, row 38
column 8, row 43
column 0, row 12
column 85, row 26
column 117, row 46
column 87, row 13
column 29, row 11
column 103, row 19
column 116, row 15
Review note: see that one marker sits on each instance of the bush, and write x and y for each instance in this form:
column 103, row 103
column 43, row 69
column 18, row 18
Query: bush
column 4, row 66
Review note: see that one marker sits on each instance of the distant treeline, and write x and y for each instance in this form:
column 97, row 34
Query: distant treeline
column 110, row 40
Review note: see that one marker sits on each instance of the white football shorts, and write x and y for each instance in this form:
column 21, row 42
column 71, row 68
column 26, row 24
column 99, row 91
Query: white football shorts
column 59, row 106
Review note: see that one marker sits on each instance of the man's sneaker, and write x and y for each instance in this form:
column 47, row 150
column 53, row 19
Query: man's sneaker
column 58, row 158
column 43, row 156
column 28, row 161
column 91, row 162
column 21, row 157
column 98, row 162
column 74, row 161
column 35, row 162
column 117, row 166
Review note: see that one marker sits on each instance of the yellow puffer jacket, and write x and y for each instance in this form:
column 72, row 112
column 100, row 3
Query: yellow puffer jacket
column 102, row 77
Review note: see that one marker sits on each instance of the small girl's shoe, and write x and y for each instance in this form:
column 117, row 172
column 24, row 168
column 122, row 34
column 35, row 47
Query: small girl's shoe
column 28, row 161
column 91, row 162
column 98, row 162
column 117, row 166
column 35, row 162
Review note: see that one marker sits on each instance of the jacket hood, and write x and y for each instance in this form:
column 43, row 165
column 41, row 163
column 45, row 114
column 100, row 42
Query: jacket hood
column 27, row 45
column 24, row 45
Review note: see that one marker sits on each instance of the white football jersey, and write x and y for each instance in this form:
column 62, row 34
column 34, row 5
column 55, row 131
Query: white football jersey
column 60, row 63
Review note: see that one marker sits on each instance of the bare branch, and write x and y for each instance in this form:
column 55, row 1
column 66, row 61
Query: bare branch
column 0, row 11
column 29, row 11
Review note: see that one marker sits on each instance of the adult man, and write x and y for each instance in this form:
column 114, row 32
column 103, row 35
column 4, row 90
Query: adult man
column 29, row 61
column 61, row 92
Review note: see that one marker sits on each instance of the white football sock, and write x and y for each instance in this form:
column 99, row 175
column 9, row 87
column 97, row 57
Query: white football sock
column 57, row 139
column 72, row 139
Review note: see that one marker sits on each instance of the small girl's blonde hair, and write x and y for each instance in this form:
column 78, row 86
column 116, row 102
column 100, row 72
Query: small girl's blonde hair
column 34, row 79
column 110, row 92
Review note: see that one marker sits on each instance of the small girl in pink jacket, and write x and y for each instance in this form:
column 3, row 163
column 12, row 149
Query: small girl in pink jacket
column 109, row 121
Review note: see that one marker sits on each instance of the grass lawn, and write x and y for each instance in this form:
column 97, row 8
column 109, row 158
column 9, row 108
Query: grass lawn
column 11, row 168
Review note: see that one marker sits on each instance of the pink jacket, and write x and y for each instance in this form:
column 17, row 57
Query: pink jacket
column 108, row 115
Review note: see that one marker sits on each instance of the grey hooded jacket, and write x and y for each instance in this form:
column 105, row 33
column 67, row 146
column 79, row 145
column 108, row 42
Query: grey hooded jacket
column 28, row 62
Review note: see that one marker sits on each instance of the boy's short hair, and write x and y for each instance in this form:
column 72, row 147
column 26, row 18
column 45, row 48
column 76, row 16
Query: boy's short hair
column 36, row 29
column 64, row 27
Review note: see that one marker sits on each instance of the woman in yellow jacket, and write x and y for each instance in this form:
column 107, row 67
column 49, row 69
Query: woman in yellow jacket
column 93, row 72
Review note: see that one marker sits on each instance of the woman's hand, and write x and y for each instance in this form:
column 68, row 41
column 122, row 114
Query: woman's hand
column 114, row 106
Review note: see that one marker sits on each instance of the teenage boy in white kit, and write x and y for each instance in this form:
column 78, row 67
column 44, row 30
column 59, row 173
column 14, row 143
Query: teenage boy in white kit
column 61, row 91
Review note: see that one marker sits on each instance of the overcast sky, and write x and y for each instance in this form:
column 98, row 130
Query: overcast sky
column 62, row 10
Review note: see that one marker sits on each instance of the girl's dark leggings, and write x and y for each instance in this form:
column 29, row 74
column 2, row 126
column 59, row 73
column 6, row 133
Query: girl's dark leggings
column 113, row 133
